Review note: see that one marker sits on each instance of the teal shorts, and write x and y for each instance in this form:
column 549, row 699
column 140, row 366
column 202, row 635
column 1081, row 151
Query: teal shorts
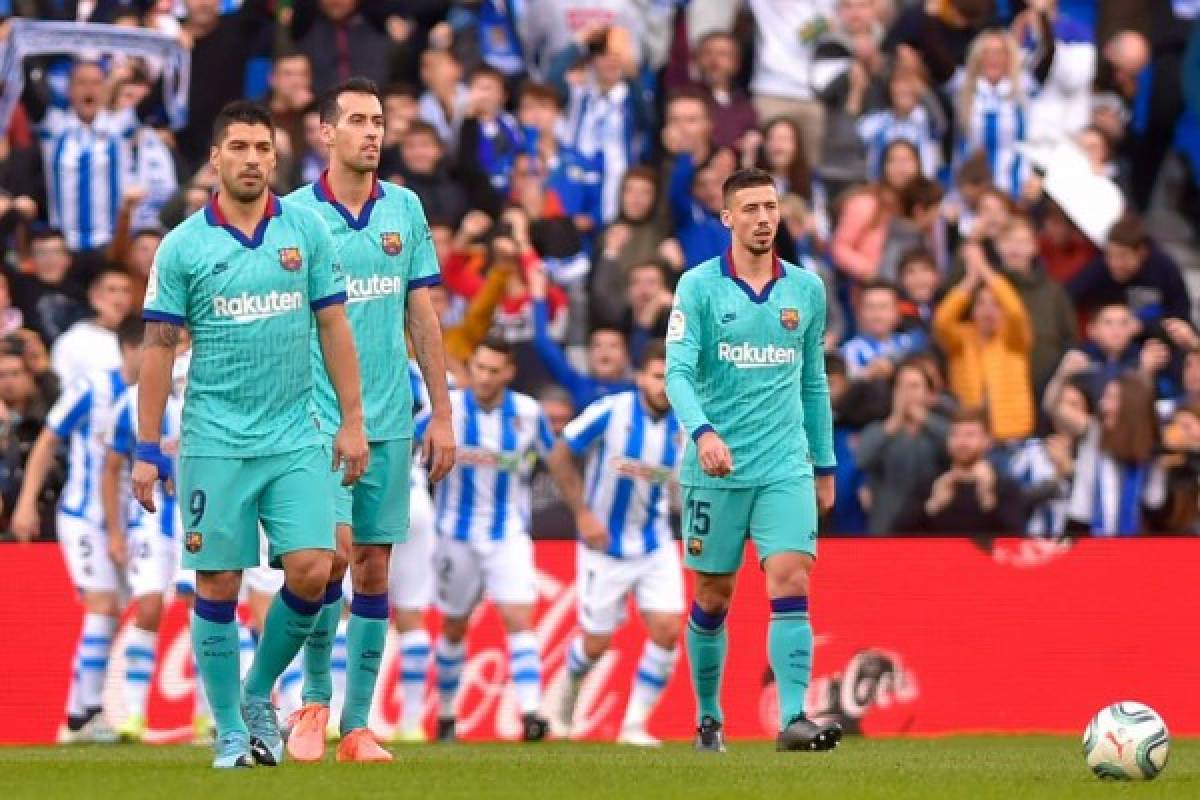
column 779, row 517
column 376, row 506
column 222, row 501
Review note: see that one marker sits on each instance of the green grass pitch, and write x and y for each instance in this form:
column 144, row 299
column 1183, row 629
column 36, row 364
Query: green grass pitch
column 1011, row 767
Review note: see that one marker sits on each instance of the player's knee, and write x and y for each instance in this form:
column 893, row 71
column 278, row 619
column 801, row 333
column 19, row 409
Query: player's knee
column 516, row 618
column 663, row 630
column 406, row 619
column 149, row 612
column 714, row 593
column 788, row 583
column 454, row 629
column 596, row 644
column 370, row 569
column 103, row 603
column 307, row 573
column 219, row 587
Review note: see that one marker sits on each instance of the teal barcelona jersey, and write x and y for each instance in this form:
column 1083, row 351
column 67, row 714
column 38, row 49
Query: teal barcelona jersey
column 386, row 252
column 248, row 303
column 751, row 367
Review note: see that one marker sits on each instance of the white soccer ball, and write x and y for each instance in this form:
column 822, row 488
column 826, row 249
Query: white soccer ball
column 1126, row 741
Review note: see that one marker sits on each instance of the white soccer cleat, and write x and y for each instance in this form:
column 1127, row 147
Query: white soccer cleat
column 95, row 731
column 637, row 737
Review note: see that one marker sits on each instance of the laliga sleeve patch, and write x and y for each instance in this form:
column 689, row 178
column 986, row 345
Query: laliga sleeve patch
column 676, row 325
column 152, row 283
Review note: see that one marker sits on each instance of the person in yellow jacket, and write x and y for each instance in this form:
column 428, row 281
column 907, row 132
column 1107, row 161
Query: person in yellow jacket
column 984, row 329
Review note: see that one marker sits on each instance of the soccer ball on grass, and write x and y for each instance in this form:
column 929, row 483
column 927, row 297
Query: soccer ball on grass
column 1126, row 741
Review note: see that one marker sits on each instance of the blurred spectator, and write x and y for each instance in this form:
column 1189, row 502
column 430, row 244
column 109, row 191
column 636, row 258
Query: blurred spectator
column 607, row 353
column 647, row 306
column 1045, row 465
column 938, row 35
column 985, row 332
column 787, row 33
column 1064, row 249
column 490, row 138
column 1062, row 104
column 919, row 282
column 971, row 497
column 47, row 297
column 900, row 456
column 314, row 152
column 992, row 107
column 347, row 37
column 1109, row 352
column 847, row 516
column 847, row 61
column 221, row 47
column 880, row 344
column 444, row 102
column 780, row 151
column 91, row 344
column 400, row 111
column 1113, row 470
column 696, row 202
column 291, row 94
column 22, row 192
column 1180, row 463
column 22, row 411
column 135, row 251
column 1046, row 303
column 11, row 317
column 718, row 59
column 608, row 112
column 548, row 27
column 1133, row 271
column 865, row 226
column 423, row 169
column 914, row 114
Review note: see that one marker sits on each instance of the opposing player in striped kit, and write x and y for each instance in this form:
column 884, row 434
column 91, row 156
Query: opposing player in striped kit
column 746, row 375
column 81, row 416
column 633, row 445
column 482, row 517
column 386, row 249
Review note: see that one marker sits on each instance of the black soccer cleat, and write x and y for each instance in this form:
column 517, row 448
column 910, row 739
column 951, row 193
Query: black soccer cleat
column 533, row 728
column 445, row 731
column 709, row 738
column 803, row 735
column 262, row 754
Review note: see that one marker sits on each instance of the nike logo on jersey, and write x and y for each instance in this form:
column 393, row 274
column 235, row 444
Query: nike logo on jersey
column 248, row 307
column 728, row 318
column 748, row 356
column 219, row 268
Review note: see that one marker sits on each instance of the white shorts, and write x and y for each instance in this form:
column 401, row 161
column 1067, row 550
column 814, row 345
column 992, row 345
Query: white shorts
column 602, row 583
column 465, row 570
column 85, row 549
column 410, row 579
column 153, row 559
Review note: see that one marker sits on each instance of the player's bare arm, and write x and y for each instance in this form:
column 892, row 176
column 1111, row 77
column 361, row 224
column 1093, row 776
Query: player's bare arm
column 341, row 362
column 114, row 520
column 158, row 359
column 570, row 487
column 25, row 523
column 425, row 332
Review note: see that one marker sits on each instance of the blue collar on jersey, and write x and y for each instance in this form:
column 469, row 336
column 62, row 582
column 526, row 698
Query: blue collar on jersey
column 508, row 406
column 730, row 271
column 214, row 217
column 324, row 193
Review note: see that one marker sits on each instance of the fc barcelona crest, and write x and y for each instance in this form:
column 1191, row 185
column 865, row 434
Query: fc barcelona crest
column 789, row 318
column 390, row 241
column 193, row 542
column 290, row 258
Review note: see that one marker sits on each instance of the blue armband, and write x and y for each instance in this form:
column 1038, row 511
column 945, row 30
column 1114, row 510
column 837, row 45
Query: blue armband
column 152, row 453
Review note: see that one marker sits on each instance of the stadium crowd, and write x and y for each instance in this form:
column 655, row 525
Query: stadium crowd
column 1008, row 347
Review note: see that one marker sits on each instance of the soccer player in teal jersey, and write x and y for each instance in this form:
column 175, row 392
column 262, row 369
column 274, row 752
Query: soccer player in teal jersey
column 386, row 250
column 746, row 377
column 250, row 276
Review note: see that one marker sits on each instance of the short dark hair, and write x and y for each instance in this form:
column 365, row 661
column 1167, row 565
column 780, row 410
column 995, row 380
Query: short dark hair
column 329, row 109
column 497, row 345
column 690, row 93
column 967, row 415
column 401, row 90
column 131, row 330
column 975, row 169
column 917, row 363
column 654, row 350
column 419, row 127
column 750, row 178
column 486, row 71
column 535, row 90
column 1129, row 231
column 878, row 285
column 605, row 327
column 45, row 234
column 242, row 112
column 106, row 271
column 656, row 264
column 917, row 255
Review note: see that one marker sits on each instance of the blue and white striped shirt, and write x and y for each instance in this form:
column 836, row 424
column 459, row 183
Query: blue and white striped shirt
column 486, row 497
column 878, row 129
column 122, row 438
column 83, row 416
column 632, row 459
column 85, row 169
column 859, row 351
column 997, row 125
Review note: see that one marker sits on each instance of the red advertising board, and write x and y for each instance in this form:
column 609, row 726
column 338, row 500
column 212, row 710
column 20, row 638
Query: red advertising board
column 914, row 636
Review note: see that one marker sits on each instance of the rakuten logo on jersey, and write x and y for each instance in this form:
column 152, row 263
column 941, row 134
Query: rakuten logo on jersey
column 747, row 356
column 248, row 307
column 360, row 290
